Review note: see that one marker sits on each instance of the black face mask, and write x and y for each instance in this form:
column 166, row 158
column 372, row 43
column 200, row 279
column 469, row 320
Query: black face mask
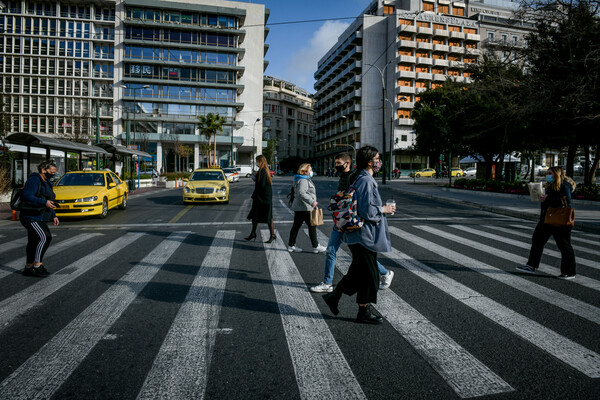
column 340, row 168
column 48, row 175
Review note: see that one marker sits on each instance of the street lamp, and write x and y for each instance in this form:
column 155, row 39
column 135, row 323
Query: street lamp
column 134, row 127
column 254, row 142
column 383, row 99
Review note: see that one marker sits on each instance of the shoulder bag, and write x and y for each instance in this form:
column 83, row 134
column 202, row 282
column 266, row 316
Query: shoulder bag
column 560, row 216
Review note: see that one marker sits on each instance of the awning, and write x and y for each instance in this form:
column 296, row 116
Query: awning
column 479, row 159
column 112, row 149
column 34, row 140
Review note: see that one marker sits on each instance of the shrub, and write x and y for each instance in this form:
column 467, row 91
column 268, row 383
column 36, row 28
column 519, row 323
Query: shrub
column 587, row 192
column 5, row 184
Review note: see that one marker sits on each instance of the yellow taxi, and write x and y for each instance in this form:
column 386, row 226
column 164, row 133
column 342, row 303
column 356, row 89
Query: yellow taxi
column 206, row 185
column 457, row 172
column 427, row 172
column 85, row 193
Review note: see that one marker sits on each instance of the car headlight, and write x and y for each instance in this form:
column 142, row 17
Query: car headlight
column 86, row 199
column 223, row 189
column 187, row 189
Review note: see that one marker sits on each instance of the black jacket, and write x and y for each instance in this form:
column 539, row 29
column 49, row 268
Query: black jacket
column 30, row 196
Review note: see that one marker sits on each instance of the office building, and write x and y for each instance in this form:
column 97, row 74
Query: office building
column 145, row 70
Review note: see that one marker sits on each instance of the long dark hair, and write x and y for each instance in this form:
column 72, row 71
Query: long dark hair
column 262, row 163
column 364, row 155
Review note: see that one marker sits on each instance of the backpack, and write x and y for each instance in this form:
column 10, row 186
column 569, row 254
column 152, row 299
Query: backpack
column 291, row 196
column 18, row 205
column 344, row 209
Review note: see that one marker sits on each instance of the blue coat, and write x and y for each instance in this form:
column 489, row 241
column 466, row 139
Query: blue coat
column 374, row 234
column 34, row 184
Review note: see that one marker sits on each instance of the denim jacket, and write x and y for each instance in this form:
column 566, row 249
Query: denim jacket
column 374, row 234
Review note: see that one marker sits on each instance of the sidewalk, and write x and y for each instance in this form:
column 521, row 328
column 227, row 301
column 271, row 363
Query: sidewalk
column 587, row 213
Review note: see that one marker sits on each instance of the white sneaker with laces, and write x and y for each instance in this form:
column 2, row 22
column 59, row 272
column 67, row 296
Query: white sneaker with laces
column 322, row 288
column 294, row 249
column 319, row 249
column 386, row 280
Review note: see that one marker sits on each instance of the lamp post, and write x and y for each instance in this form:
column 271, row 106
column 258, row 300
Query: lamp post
column 254, row 142
column 383, row 99
column 134, row 128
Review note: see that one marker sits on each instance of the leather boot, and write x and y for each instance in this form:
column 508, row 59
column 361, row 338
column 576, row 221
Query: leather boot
column 365, row 316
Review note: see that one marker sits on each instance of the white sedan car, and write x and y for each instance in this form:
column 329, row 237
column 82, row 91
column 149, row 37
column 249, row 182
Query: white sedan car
column 470, row 172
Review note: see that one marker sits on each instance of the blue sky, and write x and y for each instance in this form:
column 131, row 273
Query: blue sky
column 295, row 49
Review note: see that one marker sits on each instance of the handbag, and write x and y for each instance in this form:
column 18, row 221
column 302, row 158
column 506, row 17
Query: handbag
column 316, row 216
column 560, row 216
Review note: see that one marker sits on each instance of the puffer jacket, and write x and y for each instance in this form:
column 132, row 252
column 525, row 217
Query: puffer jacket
column 305, row 193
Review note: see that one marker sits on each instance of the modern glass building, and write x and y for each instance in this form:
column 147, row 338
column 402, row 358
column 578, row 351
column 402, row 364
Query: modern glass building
column 137, row 72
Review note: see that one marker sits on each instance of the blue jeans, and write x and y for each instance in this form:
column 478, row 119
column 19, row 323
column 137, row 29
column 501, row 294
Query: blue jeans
column 335, row 241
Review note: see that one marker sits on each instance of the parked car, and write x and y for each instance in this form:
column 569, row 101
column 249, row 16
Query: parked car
column 87, row 193
column 457, row 172
column 206, row 185
column 232, row 174
column 470, row 172
column 427, row 172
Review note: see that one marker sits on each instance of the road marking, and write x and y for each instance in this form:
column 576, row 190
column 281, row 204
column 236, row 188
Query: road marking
column 180, row 369
column 545, row 268
column 19, row 264
column 564, row 349
column 464, row 373
column 573, row 237
column 43, row 373
column 553, row 297
column 33, row 295
column 15, row 244
column 528, row 236
column 243, row 211
column 320, row 367
column 504, row 239
column 179, row 215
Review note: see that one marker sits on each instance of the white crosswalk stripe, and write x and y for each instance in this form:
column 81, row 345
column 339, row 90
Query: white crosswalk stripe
column 320, row 367
column 195, row 325
column 15, row 244
column 18, row 264
column 558, row 299
column 564, row 349
column 575, row 236
column 467, row 376
column 43, row 373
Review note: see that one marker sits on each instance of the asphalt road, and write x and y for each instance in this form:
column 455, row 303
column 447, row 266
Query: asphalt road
column 165, row 300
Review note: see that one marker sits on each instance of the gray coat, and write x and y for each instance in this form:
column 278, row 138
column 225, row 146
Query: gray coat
column 305, row 195
column 374, row 234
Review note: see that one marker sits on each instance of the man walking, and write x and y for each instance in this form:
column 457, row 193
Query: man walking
column 343, row 164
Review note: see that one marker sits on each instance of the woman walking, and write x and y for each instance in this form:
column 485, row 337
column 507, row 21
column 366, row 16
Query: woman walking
column 559, row 187
column 305, row 199
column 38, row 193
column 363, row 275
column 262, row 200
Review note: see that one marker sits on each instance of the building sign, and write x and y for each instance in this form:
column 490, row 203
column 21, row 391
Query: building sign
column 447, row 20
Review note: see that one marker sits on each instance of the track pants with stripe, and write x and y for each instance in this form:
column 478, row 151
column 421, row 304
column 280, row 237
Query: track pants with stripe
column 39, row 238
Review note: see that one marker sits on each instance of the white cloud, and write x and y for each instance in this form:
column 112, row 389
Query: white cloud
column 303, row 63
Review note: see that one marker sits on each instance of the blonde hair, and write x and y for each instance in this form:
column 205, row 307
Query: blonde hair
column 558, row 174
column 303, row 168
column 568, row 180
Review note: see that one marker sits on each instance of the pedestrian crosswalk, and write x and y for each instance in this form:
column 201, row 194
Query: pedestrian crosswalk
column 472, row 267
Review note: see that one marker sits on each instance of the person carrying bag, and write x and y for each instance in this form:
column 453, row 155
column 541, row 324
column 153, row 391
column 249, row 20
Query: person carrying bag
column 557, row 218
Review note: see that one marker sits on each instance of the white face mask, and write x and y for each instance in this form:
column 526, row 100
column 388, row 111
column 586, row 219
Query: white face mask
column 310, row 174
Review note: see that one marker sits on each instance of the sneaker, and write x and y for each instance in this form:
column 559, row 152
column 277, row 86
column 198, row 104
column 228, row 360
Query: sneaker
column 386, row 280
column 566, row 277
column 319, row 249
column 526, row 268
column 322, row 288
column 295, row 249
column 37, row 272
column 366, row 316
column 43, row 270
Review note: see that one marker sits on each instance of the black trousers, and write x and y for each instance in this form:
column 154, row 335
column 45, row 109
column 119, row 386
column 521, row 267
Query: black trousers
column 39, row 238
column 362, row 277
column 299, row 218
column 562, row 237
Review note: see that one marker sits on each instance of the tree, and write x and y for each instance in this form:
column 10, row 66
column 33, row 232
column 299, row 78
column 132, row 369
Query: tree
column 183, row 152
column 269, row 151
column 209, row 125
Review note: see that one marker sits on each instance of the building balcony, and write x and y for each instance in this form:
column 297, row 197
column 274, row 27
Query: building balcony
column 471, row 37
column 404, row 122
column 405, row 90
column 407, row 28
column 441, row 48
column 439, row 77
column 440, row 63
column 424, row 76
column 472, row 52
column 456, row 50
column 424, row 61
column 406, row 105
column 456, row 64
column 424, row 46
column 457, row 35
column 441, row 33
column 407, row 44
column 406, row 59
column 420, row 90
column 405, row 74
column 424, row 31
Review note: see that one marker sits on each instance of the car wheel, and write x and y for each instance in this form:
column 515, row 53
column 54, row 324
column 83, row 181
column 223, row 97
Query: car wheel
column 247, row 175
column 123, row 204
column 104, row 208
column 418, row 175
column 458, row 175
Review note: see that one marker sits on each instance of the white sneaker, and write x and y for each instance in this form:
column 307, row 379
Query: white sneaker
column 319, row 249
column 322, row 288
column 386, row 280
column 293, row 249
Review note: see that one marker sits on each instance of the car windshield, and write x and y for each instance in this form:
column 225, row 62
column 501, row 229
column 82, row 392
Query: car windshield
column 229, row 170
column 207, row 176
column 82, row 179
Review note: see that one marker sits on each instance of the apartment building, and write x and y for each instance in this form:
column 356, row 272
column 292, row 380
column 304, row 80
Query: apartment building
column 144, row 69
column 288, row 117
column 368, row 82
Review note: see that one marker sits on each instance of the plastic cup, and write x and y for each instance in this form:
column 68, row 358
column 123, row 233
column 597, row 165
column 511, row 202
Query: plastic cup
column 389, row 203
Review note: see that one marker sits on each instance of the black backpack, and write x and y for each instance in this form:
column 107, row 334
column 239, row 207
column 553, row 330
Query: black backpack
column 18, row 205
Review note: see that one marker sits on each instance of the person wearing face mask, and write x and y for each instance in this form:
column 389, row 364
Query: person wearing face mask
column 305, row 199
column 373, row 237
column 38, row 193
column 343, row 166
column 558, row 186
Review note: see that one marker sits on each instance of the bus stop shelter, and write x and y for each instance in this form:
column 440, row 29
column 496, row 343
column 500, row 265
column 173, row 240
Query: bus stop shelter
column 127, row 154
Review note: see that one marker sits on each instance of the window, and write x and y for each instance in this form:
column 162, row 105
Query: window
column 490, row 36
column 439, row 26
column 423, row 24
column 458, row 11
column 453, row 28
column 404, row 52
column 402, row 21
column 471, row 31
column 428, row 7
column 388, row 10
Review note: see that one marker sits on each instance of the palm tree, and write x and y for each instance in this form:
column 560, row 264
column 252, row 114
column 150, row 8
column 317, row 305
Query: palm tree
column 209, row 125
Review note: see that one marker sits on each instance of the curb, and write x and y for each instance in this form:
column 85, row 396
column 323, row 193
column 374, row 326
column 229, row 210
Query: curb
column 497, row 210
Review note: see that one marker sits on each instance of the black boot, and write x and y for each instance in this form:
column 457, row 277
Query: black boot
column 332, row 299
column 365, row 316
